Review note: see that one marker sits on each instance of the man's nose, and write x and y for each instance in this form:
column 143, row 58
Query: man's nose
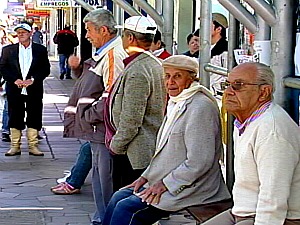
column 229, row 90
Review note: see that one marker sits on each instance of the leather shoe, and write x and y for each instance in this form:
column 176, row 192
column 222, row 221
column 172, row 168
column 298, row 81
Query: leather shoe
column 62, row 75
column 13, row 152
column 39, row 137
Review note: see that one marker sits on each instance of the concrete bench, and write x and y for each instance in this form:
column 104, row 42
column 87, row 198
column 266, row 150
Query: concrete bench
column 204, row 212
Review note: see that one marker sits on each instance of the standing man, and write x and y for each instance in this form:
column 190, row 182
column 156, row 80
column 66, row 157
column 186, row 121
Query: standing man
column 24, row 67
column 267, row 152
column 136, row 102
column 66, row 41
column 84, row 113
column 219, row 49
column 37, row 36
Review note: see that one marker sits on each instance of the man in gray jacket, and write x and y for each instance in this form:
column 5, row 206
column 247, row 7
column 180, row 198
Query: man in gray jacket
column 136, row 102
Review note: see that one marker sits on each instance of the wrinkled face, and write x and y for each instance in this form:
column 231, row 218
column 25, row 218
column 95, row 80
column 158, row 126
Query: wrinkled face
column 176, row 80
column 125, row 40
column 194, row 44
column 244, row 94
column 23, row 35
column 129, row 40
column 94, row 36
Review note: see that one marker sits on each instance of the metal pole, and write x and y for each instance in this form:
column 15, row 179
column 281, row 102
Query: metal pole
column 159, row 9
column 205, row 44
column 233, row 34
column 216, row 69
column 151, row 11
column 263, row 9
column 241, row 14
column 264, row 30
column 127, row 7
column 168, row 16
column 159, row 6
column 85, row 5
column 118, row 14
column 292, row 82
column 282, row 51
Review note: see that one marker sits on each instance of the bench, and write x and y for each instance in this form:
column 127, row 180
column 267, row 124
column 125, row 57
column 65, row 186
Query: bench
column 204, row 212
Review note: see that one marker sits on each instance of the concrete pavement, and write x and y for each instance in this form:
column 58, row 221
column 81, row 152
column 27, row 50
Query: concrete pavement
column 25, row 181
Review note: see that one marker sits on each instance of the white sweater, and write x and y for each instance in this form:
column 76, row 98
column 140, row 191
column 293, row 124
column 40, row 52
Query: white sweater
column 267, row 169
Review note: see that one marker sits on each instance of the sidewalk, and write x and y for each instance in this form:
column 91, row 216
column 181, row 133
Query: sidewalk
column 25, row 181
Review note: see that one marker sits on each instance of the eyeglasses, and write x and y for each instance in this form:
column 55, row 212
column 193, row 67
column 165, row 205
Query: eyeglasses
column 236, row 85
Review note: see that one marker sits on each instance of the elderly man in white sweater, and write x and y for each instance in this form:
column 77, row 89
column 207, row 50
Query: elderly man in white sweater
column 267, row 152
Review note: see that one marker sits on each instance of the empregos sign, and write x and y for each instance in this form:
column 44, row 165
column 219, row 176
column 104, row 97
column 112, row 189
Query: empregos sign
column 53, row 3
column 64, row 3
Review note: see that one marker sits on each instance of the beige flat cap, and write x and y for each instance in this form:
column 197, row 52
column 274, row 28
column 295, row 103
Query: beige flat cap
column 182, row 62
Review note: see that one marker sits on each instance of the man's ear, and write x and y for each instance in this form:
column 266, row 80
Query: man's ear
column 131, row 38
column 104, row 29
column 265, row 92
column 158, row 43
column 219, row 29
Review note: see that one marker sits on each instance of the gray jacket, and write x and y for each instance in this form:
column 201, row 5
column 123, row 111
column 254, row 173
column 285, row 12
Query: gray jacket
column 137, row 102
column 188, row 160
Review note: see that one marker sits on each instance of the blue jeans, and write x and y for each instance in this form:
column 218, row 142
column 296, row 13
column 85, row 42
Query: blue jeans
column 82, row 166
column 125, row 208
column 5, row 127
column 63, row 64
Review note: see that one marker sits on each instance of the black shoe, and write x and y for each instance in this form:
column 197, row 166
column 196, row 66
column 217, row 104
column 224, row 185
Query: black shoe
column 39, row 137
column 62, row 75
column 68, row 76
column 6, row 137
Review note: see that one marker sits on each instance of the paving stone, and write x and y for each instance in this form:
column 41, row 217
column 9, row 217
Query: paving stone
column 22, row 217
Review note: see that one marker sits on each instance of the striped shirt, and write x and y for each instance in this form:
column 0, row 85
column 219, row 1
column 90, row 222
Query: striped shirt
column 256, row 114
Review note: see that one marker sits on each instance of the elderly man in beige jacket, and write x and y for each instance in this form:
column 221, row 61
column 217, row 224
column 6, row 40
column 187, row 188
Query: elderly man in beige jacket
column 185, row 169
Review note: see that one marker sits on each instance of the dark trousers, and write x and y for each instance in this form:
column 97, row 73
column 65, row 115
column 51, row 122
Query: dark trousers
column 18, row 105
column 63, row 64
column 123, row 173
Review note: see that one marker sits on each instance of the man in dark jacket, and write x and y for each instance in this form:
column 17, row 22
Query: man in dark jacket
column 66, row 41
column 24, row 67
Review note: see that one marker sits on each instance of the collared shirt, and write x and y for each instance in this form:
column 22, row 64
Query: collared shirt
column 104, row 46
column 256, row 114
column 25, row 59
column 127, row 60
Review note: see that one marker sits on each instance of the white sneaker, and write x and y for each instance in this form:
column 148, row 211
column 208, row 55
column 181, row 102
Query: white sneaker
column 67, row 173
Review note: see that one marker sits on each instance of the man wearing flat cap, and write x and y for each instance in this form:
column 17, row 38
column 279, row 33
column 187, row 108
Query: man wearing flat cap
column 185, row 169
column 24, row 67
column 136, row 102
